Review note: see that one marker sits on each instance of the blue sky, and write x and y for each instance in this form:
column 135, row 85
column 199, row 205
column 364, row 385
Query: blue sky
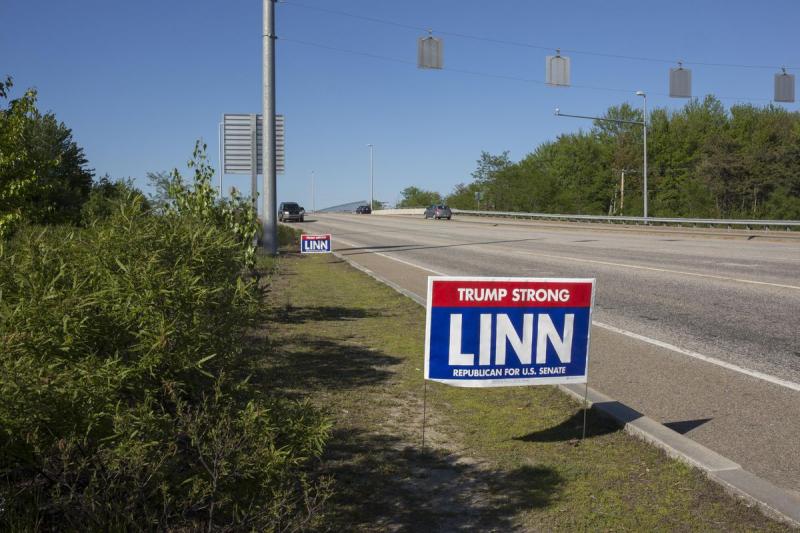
column 138, row 82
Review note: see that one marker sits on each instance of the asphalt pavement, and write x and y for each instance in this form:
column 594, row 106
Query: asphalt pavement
column 697, row 332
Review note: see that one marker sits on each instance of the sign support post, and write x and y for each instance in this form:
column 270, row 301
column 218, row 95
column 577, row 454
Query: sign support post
column 424, row 410
column 585, row 407
column 269, row 219
column 254, row 161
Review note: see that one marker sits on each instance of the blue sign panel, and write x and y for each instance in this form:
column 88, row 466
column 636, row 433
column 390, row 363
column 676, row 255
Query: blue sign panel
column 490, row 332
column 315, row 244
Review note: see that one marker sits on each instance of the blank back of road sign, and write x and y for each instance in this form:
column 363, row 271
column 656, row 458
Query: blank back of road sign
column 429, row 52
column 237, row 141
column 557, row 68
column 784, row 87
column 680, row 82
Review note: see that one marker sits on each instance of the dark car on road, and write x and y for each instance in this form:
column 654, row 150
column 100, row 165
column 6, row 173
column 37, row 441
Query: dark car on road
column 363, row 210
column 289, row 211
column 438, row 211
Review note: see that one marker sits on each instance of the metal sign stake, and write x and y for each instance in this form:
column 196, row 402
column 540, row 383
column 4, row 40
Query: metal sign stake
column 585, row 407
column 424, row 410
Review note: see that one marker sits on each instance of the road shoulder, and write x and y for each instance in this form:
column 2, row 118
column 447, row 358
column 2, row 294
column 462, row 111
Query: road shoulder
column 502, row 459
column 776, row 502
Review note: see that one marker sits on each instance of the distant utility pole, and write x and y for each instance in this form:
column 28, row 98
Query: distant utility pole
column 644, row 124
column 269, row 219
column 313, row 201
column 371, row 178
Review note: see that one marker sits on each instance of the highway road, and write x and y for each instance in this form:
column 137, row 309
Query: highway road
column 698, row 332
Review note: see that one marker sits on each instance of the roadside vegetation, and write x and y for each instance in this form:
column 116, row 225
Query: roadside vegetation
column 494, row 460
column 704, row 161
column 416, row 197
column 125, row 401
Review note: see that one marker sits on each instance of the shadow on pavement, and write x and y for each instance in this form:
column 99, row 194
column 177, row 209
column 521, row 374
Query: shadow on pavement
column 411, row 247
column 685, row 426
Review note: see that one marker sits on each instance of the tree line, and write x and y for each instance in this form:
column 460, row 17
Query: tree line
column 704, row 161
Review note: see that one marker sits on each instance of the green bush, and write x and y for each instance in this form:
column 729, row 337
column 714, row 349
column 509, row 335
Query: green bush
column 106, row 198
column 288, row 237
column 122, row 403
column 235, row 215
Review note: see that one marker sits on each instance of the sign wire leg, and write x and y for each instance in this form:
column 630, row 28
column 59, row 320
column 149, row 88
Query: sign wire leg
column 585, row 407
column 424, row 411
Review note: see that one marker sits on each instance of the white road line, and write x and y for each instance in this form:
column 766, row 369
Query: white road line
column 392, row 258
column 654, row 269
column 655, row 342
column 739, row 265
column 642, row 267
column 713, row 360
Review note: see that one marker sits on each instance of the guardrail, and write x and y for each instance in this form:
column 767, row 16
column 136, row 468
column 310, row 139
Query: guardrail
column 718, row 222
column 400, row 211
column 727, row 222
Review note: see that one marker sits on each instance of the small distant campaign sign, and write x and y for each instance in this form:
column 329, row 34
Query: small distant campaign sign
column 496, row 332
column 315, row 244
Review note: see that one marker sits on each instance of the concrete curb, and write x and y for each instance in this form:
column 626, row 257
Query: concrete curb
column 775, row 502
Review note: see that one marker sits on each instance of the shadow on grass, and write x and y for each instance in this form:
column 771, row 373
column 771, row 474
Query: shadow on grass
column 572, row 429
column 299, row 315
column 382, row 484
column 302, row 365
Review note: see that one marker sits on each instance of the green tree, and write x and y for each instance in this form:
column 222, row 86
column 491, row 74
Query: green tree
column 485, row 175
column 16, row 187
column 416, row 197
column 466, row 196
column 43, row 173
column 704, row 161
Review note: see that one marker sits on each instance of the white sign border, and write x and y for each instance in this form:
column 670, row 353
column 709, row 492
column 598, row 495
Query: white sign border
column 330, row 240
column 511, row 382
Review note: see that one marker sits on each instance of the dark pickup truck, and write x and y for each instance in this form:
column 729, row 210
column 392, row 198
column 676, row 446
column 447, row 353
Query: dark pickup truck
column 289, row 211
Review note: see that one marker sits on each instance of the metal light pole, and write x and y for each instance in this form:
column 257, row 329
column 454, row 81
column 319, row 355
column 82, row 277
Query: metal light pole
column 371, row 178
column 313, row 204
column 644, row 123
column 269, row 219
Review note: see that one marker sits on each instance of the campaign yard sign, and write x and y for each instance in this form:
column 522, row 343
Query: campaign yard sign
column 495, row 332
column 315, row 244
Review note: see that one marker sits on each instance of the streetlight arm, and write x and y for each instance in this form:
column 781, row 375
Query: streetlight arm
column 642, row 123
column 602, row 119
